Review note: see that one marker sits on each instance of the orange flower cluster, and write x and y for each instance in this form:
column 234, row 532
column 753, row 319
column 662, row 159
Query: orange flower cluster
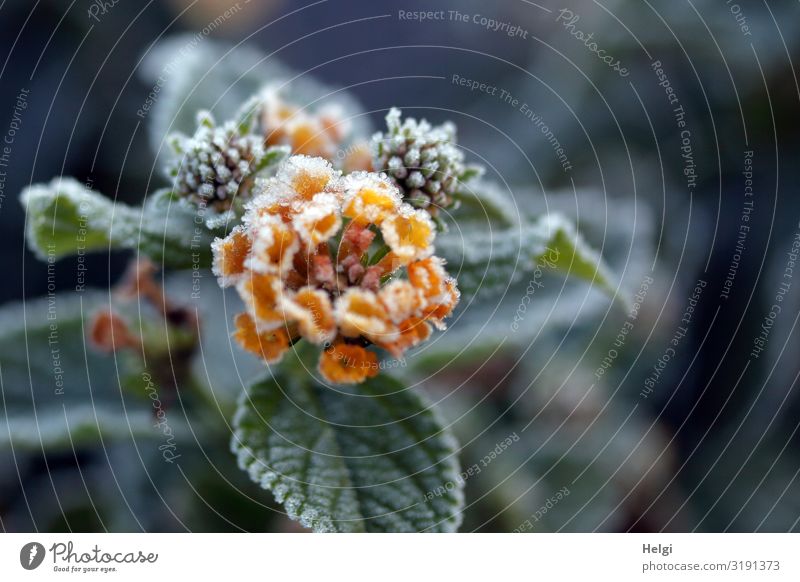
column 311, row 133
column 341, row 262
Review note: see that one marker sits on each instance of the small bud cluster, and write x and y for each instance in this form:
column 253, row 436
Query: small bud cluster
column 341, row 262
column 215, row 164
column 423, row 160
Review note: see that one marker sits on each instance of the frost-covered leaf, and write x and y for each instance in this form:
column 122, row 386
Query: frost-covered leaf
column 174, row 233
column 66, row 218
column 566, row 248
column 487, row 261
column 483, row 201
column 274, row 156
column 374, row 457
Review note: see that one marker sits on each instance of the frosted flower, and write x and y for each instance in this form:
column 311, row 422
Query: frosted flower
column 341, row 262
column 409, row 233
column 369, row 198
column 215, row 164
column 422, row 159
column 312, row 132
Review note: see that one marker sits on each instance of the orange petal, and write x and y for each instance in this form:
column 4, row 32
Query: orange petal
column 410, row 234
column 370, row 199
column 358, row 312
column 343, row 363
column 413, row 331
column 230, row 254
column 443, row 307
column 274, row 247
column 108, row 332
column 400, row 299
column 270, row 345
column 306, row 175
column 260, row 293
column 309, row 138
column 428, row 276
column 313, row 312
column 319, row 220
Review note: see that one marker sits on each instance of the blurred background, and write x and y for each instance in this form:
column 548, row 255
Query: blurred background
column 677, row 129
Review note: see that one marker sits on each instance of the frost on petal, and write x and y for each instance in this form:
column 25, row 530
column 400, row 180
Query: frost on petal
column 409, row 234
column 318, row 221
column 269, row 345
column 342, row 363
column 307, row 176
column 369, row 198
column 358, row 312
column 428, row 276
column 413, row 331
column 273, row 198
column 438, row 289
column 261, row 294
column 274, row 246
column 312, row 311
column 400, row 299
column 444, row 304
column 230, row 254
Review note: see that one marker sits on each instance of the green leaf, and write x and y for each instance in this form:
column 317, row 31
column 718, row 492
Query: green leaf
column 274, row 156
column 482, row 201
column 487, row 261
column 174, row 233
column 571, row 255
column 66, row 218
column 374, row 457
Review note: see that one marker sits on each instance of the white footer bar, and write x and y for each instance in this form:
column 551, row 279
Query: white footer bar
column 389, row 557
